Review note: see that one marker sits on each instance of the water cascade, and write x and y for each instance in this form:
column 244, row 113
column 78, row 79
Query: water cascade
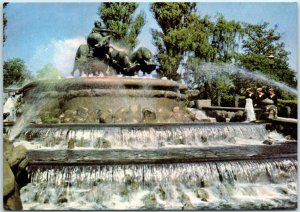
column 266, row 184
column 79, row 164
column 141, row 136
column 127, row 143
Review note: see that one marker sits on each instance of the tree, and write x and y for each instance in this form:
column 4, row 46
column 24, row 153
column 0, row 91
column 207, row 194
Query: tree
column 118, row 16
column 15, row 72
column 199, row 31
column 48, row 72
column 4, row 22
column 264, row 52
column 171, row 40
column 209, row 78
column 225, row 35
column 212, row 42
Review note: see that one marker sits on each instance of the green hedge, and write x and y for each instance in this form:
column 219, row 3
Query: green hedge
column 282, row 104
column 228, row 101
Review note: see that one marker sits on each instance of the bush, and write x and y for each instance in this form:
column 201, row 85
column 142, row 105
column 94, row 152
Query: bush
column 282, row 104
column 229, row 101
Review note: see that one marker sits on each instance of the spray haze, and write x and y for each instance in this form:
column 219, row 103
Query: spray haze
column 213, row 70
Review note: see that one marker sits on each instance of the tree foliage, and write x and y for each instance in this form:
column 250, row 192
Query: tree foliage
column 265, row 53
column 214, row 41
column 225, row 37
column 210, row 79
column 182, row 30
column 219, row 42
column 171, row 40
column 48, row 72
column 199, row 38
column 15, row 72
column 118, row 16
column 4, row 22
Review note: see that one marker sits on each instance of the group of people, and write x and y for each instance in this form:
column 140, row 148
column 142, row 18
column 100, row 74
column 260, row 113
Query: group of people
column 261, row 95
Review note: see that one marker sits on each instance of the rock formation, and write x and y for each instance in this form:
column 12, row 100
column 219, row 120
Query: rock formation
column 15, row 175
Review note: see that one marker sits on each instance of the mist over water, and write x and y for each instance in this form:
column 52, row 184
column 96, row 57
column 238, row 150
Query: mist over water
column 213, row 70
column 29, row 113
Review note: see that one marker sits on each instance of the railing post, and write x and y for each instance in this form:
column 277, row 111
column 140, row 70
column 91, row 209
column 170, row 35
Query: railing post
column 219, row 92
column 236, row 100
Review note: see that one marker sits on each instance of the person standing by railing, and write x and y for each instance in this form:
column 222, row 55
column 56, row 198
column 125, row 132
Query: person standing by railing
column 250, row 94
column 273, row 96
column 250, row 99
column 260, row 96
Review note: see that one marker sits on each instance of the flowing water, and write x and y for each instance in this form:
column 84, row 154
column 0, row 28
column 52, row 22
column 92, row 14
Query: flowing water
column 216, row 185
column 168, row 185
column 266, row 184
column 144, row 136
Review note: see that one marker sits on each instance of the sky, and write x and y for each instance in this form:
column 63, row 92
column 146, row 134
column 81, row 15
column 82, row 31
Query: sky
column 50, row 33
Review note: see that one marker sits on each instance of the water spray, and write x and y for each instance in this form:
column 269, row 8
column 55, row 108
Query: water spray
column 213, row 70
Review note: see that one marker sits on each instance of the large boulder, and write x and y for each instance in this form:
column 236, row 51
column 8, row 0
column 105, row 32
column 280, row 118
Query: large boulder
column 239, row 116
column 8, row 179
column 13, row 201
column 134, row 114
column 181, row 116
column 105, row 116
column 16, row 156
column 164, row 115
column 149, row 115
column 121, row 115
column 81, row 114
column 15, row 175
column 68, row 116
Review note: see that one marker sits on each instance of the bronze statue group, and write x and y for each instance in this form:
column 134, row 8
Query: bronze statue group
column 101, row 47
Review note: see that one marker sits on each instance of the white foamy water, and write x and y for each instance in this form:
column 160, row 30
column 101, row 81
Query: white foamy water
column 269, row 184
column 214, row 185
column 139, row 137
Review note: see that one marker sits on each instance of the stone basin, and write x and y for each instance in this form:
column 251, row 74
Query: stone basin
column 108, row 100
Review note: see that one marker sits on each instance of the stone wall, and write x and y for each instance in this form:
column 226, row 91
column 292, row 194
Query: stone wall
column 227, row 116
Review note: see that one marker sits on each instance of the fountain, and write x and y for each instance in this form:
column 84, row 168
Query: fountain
column 127, row 143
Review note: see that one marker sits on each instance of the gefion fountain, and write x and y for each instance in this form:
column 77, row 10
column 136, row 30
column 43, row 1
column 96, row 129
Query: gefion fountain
column 127, row 143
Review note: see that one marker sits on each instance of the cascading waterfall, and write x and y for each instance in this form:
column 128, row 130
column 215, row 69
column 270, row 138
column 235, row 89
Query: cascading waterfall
column 206, row 173
column 135, row 136
column 212, row 185
column 85, row 165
